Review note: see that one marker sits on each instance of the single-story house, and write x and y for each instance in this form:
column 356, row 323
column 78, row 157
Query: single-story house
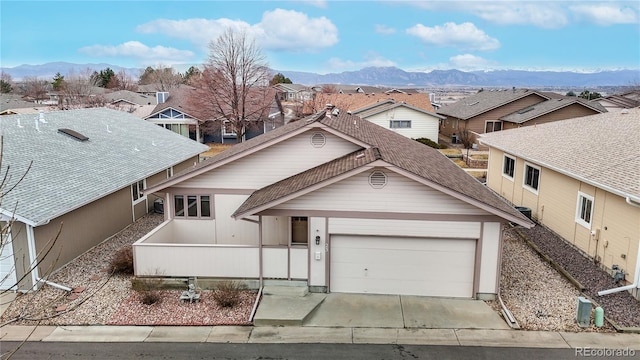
column 495, row 110
column 84, row 174
column 581, row 179
column 337, row 203
column 615, row 102
column 405, row 119
column 293, row 92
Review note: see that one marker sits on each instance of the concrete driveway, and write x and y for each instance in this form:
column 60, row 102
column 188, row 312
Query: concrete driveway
column 398, row 311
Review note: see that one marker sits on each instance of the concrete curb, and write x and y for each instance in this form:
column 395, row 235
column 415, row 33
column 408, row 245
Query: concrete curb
column 309, row 335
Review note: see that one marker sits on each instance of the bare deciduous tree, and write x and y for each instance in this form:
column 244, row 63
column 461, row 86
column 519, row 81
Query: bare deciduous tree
column 34, row 88
column 79, row 90
column 233, row 89
column 163, row 78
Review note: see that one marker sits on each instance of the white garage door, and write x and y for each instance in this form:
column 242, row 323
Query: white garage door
column 7, row 268
column 404, row 266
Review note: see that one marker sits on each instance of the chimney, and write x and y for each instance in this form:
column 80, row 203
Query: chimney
column 328, row 108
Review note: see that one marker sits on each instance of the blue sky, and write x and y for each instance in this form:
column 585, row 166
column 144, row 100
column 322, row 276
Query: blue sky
column 329, row 36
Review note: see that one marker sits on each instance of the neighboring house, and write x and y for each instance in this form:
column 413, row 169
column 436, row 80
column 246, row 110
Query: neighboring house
column 173, row 113
column 402, row 118
column 349, row 89
column 580, row 178
column 84, row 175
column 293, row 92
column 337, row 203
column 495, row 110
column 615, row 102
column 127, row 97
column 11, row 104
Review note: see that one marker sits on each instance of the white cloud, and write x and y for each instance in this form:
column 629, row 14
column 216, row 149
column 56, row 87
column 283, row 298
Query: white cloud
column 384, row 29
column 136, row 49
column 469, row 62
column 606, row 14
column 465, row 35
column 278, row 30
column 371, row 59
column 317, row 3
column 295, row 31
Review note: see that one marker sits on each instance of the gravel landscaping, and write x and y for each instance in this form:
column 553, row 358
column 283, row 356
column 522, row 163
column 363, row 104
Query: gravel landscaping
column 538, row 296
column 100, row 298
column 620, row 307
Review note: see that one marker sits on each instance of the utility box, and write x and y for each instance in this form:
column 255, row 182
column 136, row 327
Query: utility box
column 583, row 316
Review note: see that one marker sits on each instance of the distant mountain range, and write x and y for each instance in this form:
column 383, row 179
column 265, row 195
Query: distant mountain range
column 390, row 76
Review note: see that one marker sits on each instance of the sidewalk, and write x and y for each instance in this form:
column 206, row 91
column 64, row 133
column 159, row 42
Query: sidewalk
column 346, row 335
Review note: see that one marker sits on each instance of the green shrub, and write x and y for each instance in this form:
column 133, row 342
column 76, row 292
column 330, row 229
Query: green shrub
column 122, row 261
column 431, row 143
column 227, row 293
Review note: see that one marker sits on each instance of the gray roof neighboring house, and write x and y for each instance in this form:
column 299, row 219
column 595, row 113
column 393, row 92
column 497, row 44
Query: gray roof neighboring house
column 545, row 107
column 66, row 173
column 406, row 154
column 487, row 100
column 13, row 101
column 600, row 149
column 131, row 97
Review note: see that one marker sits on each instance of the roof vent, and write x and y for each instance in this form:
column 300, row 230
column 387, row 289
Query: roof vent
column 318, row 140
column 377, row 179
column 74, row 134
column 624, row 111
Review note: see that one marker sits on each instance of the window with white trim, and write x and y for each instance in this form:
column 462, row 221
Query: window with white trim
column 508, row 166
column 137, row 191
column 399, row 124
column 192, row 206
column 584, row 210
column 491, row 126
column 228, row 129
column 531, row 179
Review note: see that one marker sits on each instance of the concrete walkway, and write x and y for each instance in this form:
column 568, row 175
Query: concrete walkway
column 294, row 334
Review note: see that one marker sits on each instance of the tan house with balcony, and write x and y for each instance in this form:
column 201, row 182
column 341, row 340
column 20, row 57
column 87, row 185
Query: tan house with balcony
column 581, row 179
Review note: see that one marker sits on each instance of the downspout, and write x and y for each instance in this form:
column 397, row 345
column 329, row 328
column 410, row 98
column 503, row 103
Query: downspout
column 35, row 278
column 631, row 202
column 627, row 287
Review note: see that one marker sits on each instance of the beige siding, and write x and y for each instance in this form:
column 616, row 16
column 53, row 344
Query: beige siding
column 422, row 125
column 21, row 254
column 398, row 195
column 228, row 230
column 617, row 223
column 83, row 228
column 257, row 170
column 416, row 228
column 275, row 230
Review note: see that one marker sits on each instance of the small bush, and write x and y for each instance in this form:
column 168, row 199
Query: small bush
column 227, row 293
column 431, row 143
column 146, row 289
column 122, row 261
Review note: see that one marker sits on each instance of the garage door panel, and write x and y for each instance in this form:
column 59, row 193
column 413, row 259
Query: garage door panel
column 407, row 266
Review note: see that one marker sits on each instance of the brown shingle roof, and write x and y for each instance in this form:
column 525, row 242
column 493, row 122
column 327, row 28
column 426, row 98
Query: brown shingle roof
column 486, row 100
column 548, row 106
column 598, row 149
column 395, row 149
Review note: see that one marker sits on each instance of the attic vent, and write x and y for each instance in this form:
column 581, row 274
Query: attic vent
column 474, row 103
column 318, row 140
column 74, row 134
column 377, row 179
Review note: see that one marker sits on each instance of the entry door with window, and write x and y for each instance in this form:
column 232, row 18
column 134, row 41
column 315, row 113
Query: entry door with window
column 299, row 230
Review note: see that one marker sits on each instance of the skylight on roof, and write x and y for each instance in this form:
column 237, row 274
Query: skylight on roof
column 74, row 134
column 525, row 110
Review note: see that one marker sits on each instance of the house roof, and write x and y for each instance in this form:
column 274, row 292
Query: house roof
column 178, row 100
column 358, row 101
column 390, row 104
column 545, row 107
column 13, row 101
column 487, row 100
column 626, row 100
column 410, row 156
column 131, row 97
column 597, row 149
column 291, row 87
column 67, row 173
